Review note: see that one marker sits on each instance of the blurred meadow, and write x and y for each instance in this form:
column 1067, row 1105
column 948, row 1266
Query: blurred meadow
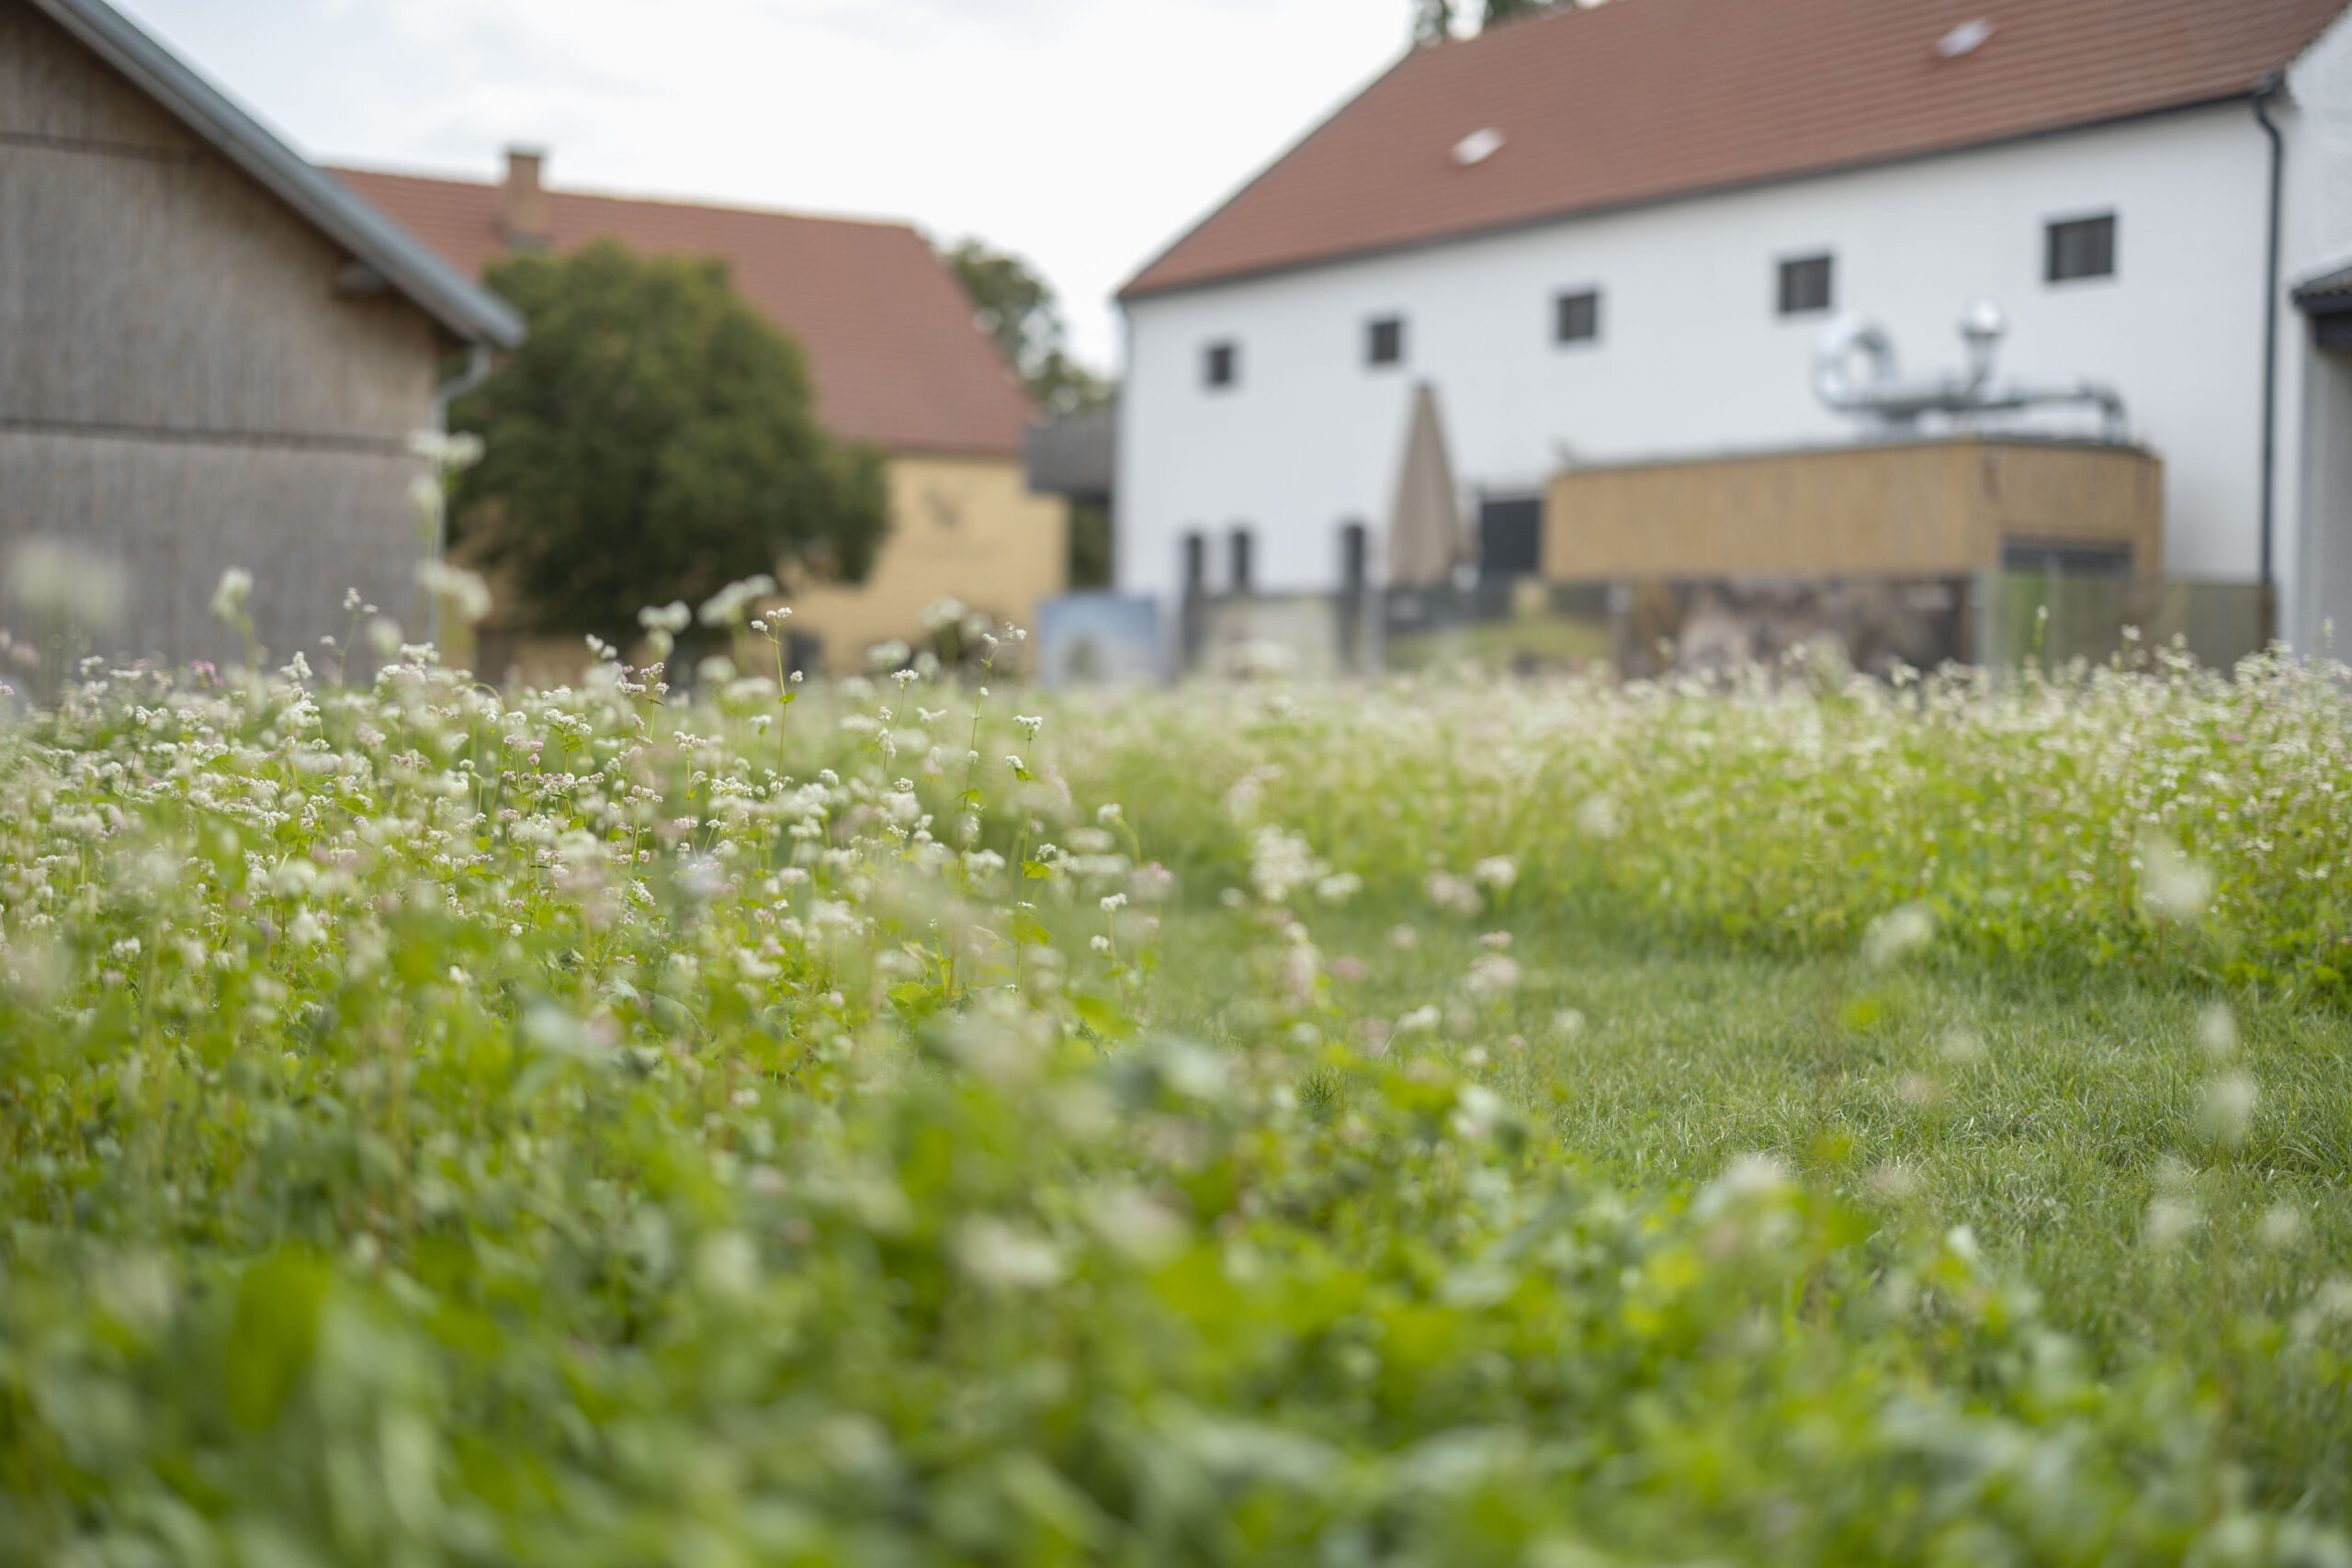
column 916, row 1120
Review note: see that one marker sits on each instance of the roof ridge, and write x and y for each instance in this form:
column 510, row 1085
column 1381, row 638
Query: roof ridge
column 567, row 193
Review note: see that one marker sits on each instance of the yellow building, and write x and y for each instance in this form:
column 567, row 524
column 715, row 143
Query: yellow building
column 897, row 360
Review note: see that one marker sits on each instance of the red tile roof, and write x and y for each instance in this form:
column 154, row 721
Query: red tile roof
column 1640, row 100
column 891, row 343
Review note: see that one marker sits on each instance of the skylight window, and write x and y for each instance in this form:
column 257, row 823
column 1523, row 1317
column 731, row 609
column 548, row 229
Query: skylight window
column 1965, row 38
column 1479, row 146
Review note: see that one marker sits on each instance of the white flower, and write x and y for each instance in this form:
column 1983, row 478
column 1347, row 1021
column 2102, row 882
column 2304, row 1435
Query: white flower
column 672, row 617
column 1457, row 895
column 1280, row 862
column 2217, row 1032
column 2169, row 1223
column 228, row 599
column 1597, row 818
column 942, row 614
column 466, row 593
column 1002, row 1255
column 1147, row 1229
column 725, row 607
column 1477, row 1110
column 1493, row 974
column 1421, row 1021
column 2174, row 886
column 2225, row 1109
column 1897, row 934
column 1498, row 871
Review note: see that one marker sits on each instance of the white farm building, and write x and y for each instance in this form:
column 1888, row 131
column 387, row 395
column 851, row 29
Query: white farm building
column 1614, row 235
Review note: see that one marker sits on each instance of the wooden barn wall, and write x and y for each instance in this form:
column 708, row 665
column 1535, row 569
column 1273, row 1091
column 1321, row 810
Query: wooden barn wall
column 181, row 384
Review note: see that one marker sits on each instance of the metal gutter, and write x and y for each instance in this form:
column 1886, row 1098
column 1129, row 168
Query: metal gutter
column 468, row 311
column 2262, row 97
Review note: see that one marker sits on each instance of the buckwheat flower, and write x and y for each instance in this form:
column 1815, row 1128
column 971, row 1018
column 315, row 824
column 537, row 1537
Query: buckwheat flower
column 1101, row 945
column 2225, row 1109
column 1114, row 902
column 1597, row 818
column 1897, row 934
column 1003, row 1255
column 1030, row 723
column 2217, row 1032
column 236, row 586
column 1422, row 1020
column 2174, row 886
column 2170, row 1222
column 2283, row 1226
column 1339, row 888
column 1478, row 1109
column 1107, row 815
column 1498, row 871
column 464, row 591
column 1493, row 974
column 1146, row 1230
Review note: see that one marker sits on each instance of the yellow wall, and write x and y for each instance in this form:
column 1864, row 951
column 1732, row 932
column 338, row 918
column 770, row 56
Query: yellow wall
column 964, row 528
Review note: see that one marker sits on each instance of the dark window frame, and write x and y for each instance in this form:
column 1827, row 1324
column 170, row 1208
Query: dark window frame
column 1794, row 297
column 1221, row 365
column 1575, row 316
column 2080, row 250
column 1384, row 342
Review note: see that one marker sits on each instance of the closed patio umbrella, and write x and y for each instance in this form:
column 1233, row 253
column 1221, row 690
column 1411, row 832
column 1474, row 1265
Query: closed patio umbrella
column 1426, row 536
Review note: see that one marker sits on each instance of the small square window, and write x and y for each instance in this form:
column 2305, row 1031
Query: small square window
column 1385, row 341
column 2082, row 247
column 1575, row 318
column 1805, row 285
column 1221, row 365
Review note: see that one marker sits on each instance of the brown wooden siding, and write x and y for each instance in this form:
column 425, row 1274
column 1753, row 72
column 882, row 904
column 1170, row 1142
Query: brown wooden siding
column 1915, row 509
column 181, row 382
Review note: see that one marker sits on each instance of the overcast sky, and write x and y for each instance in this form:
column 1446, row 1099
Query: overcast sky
column 1082, row 133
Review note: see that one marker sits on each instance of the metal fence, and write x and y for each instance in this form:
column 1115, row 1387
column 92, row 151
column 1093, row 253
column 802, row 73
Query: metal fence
column 1647, row 628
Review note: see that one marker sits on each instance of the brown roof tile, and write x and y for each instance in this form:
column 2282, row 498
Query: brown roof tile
column 891, row 343
column 1640, row 100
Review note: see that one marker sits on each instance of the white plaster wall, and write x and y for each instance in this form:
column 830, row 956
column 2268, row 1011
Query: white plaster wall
column 1692, row 357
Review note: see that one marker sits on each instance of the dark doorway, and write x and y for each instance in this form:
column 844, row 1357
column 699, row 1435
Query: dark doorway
column 1510, row 538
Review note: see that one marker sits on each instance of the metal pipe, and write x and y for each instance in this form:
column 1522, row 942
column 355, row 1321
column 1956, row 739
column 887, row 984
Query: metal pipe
column 1889, row 398
column 2262, row 97
column 477, row 371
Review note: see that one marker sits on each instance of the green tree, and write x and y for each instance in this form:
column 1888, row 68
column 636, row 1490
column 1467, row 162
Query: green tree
column 1017, row 307
column 654, row 439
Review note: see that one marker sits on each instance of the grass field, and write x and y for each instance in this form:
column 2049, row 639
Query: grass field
column 1453, row 1123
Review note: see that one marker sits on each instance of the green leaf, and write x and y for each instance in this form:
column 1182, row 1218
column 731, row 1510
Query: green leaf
column 273, row 1334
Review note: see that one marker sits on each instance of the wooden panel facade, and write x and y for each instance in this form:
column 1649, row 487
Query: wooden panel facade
column 1911, row 509
column 184, row 385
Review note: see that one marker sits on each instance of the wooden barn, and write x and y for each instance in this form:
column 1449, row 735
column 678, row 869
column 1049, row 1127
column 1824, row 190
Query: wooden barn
column 211, row 355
